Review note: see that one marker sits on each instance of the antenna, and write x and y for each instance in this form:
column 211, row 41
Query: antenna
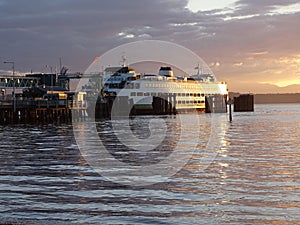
column 60, row 67
column 123, row 60
column 198, row 69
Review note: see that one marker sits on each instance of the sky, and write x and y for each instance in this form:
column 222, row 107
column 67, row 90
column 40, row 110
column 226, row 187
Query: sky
column 251, row 44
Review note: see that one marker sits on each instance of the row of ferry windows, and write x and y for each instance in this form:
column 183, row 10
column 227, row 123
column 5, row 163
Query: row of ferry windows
column 137, row 86
column 156, row 94
column 154, row 85
column 190, row 102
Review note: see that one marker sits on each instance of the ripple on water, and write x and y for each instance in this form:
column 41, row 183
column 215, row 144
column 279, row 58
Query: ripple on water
column 254, row 179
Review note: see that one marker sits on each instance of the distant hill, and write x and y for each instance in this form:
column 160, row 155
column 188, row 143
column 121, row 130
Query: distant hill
column 272, row 98
column 264, row 88
column 276, row 98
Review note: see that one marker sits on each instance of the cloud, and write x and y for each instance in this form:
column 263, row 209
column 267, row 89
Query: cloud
column 72, row 27
column 246, row 39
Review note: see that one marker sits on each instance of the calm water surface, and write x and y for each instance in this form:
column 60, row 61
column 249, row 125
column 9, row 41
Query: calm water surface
column 254, row 178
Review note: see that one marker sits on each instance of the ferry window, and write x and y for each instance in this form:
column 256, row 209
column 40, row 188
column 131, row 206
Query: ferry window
column 153, row 94
column 146, row 94
column 179, row 102
column 140, row 94
column 129, row 86
column 202, row 95
column 198, row 95
column 133, row 94
column 179, row 94
column 137, row 86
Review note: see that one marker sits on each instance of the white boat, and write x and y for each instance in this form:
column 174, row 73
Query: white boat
column 190, row 92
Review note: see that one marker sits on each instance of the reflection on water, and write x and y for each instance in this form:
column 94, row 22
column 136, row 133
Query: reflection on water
column 254, row 179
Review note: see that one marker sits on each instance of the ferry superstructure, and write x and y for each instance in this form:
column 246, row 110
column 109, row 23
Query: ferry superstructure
column 190, row 92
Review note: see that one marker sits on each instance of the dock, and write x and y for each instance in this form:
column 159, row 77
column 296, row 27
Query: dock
column 244, row 103
column 43, row 111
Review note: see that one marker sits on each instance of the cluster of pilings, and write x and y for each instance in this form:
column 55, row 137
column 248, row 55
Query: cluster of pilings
column 112, row 106
column 216, row 103
column 244, row 103
column 164, row 104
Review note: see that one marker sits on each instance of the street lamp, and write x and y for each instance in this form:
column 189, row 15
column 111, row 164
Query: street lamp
column 14, row 86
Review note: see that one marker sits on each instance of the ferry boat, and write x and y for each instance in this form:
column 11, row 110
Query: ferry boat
column 141, row 89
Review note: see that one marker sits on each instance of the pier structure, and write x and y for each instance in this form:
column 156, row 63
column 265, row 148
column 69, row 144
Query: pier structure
column 244, row 103
column 43, row 110
column 7, row 83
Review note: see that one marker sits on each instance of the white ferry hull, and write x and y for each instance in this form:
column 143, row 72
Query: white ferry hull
column 187, row 96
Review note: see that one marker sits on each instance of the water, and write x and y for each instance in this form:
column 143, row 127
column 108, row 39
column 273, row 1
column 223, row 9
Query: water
column 254, row 178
